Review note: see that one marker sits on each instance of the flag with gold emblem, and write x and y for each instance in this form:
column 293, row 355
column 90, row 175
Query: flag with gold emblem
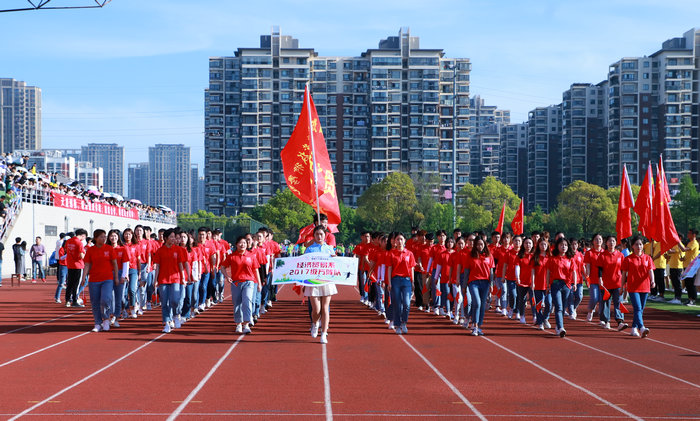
column 298, row 163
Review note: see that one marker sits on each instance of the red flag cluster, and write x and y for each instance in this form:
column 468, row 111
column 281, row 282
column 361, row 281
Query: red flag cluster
column 518, row 222
column 298, row 163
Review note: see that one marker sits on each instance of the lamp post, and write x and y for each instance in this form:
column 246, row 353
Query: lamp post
column 453, row 67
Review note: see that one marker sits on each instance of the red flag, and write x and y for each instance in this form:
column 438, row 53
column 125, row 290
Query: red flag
column 501, row 218
column 425, row 288
column 623, row 309
column 518, row 223
column 438, row 292
column 623, row 226
column 495, row 291
column 665, row 232
column 606, row 293
column 366, row 286
column 298, row 163
column 297, row 288
column 306, row 233
column 537, row 306
column 450, row 297
column 643, row 205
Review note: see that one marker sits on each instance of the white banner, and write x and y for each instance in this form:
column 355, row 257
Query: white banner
column 315, row 269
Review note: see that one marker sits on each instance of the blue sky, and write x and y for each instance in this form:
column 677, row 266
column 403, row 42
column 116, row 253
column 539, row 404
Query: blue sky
column 135, row 71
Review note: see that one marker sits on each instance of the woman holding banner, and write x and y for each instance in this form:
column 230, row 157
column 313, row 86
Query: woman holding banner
column 320, row 296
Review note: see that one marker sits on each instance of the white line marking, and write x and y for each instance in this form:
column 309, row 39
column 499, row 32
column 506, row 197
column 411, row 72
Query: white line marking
column 84, row 379
column 570, row 383
column 206, row 378
column 447, row 382
column 42, row 323
column 327, row 385
column 41, row 350
column 229, row 414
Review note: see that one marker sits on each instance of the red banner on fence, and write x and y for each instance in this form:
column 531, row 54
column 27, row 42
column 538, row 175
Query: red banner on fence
column 71, row 202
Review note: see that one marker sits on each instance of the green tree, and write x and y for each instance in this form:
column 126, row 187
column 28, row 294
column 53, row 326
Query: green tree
column 479, row 207
column 583, row 209
column 389, row 205
column 438, row 217
column 427, row 185
column 685, row 207
column 535, row 221
column 349, row 231
column 285, row 214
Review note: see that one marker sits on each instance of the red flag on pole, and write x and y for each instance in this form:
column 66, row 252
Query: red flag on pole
column 623, row 309
column 307, row 165
column 665, row 232
column 606, row 293
column 518, row 223
column 623, row 226
column 501, row 219
column 644, row 204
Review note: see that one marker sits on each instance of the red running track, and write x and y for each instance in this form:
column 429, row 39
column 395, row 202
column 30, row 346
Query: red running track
column 52, row 368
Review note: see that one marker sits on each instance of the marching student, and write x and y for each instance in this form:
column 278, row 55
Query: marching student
column 611, row 262
column 510, row 264
column 134, row 251
column 499, row 252
column 479, row 272
column 241, row 270
column 435, row 251
column 462, row 263
column 399, row 270
column 638, row 278
column 62, row 271
column 524, row 277
column 577, row 294
column 422, row 257
column 441, row 278
column 320, row 296
column 145, row 246
column 169, row 261
column 592, row 274
column 561, row 278
column 187, row 298
column 101, row 268
column 75, row 252
column 361, row 251
column 543, row 299
column 121, row 255
column 457, row 259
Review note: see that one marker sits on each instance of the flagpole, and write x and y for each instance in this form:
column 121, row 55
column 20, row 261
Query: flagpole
column 313, row 152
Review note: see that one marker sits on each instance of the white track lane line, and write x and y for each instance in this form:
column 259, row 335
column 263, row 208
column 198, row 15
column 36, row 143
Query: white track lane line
column 270, row 415
column 204, row 381
column 84, row 379
column 444, row 379
column 42, row 323
column 41, row 350
column 570, row 383
column 327, row 385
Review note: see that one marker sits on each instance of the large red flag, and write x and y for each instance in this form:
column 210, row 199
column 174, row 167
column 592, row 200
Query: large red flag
column 665, row 232
column 623, row 226
column 644, row 204
column 518, row 223
column 501, row 219
column 298, row 163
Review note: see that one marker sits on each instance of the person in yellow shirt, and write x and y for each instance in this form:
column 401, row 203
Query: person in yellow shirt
column 674, row 259
column 652, row 248
column 690, row 254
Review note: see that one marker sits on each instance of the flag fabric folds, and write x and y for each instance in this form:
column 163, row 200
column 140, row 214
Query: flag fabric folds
column 623, row 225
column 298, row 163
column 665, row 230
column 643, row 205
column 501, row 219
column 518, row 223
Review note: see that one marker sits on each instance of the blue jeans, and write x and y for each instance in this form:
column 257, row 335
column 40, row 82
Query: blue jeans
column 242, row 294
column 118, row 291
column 479, row 291
column 61, row 273
column 194, row 301
column 546, row 306
column 101, row 299
column 575, row 298
column 203, row 287
column 142, row 299
column 522, row 292
column 593, row 295
column 150, row 286
column 638, row 300
column 560, row 296
column 444, row 292
column 502, row 299
column 181, row 301
column 362, row 277
column 256, row 302
column 379, row 304
column 84, row 285
column 38, row 270
column 605, row 313
column 133, row 286
column 169, row 298
column 401, row 289
column 189, row 301
column 510, row 285
column 465, row 311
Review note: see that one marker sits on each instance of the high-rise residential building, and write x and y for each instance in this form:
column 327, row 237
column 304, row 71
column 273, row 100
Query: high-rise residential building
column 485, row 122
column 20, row 116
column 544, row 157
column 110, row 157
column 513, row 162
column 89, row 176
column 389, row 109
column 138, row 182
column 170, row 177
column 585, row 134
column 197, row 189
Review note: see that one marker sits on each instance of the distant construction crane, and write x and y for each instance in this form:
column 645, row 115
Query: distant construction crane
column 42, row 5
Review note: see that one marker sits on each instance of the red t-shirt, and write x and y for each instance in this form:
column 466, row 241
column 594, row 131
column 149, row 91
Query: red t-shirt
column 637, row 268
column 611, row 264
column 561, row 268
column 168, row 260
column 401, row 262
column 480, row 267
column 578, row 266
column 591, row 258
column 526, row 268
column 242, row 265
column 435, row 251
column 540, row 273
column 423, row 254
column 145, row 250
column 62, row 256
column 121, row 254
column 510, row 258
column 74, row 248
column 134, row 254
column 362, row 250
column 100, row 260
column 501, row 255
column 379, row 257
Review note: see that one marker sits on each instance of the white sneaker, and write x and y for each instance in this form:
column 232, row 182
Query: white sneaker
column 269, row 303
column 589, row 317
column 498, row 310
column 208, row 302
column 239, row 328
column 547, row 325
column 80, row 301
column 68, row 304
column 475, row 332
column 324, row 338
column 635, row 332
column 540, row 327
column 133, row 314
column 455, row 320
column 606, row 326
column 645, row 331
column 262, row 310
column 166, row 328
column 420, row 308
column 573, row 315
column 116, row 323
column 517, row 315
column 201, row 307
column 105, row 325
column 246, row 329
column 522, row 319
column 509, row 314
column 391, row 326
column 149, row 306
column 112, row 320
column 562, row 333
column 439, row 312
column 172, row 324
column 97, row 328
column 58, row 301
column 675, row 301
column 387, row 321
column 404, row 329
column 314, row 330
column 177, row 322
column 602, row 323
column 139, row 312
